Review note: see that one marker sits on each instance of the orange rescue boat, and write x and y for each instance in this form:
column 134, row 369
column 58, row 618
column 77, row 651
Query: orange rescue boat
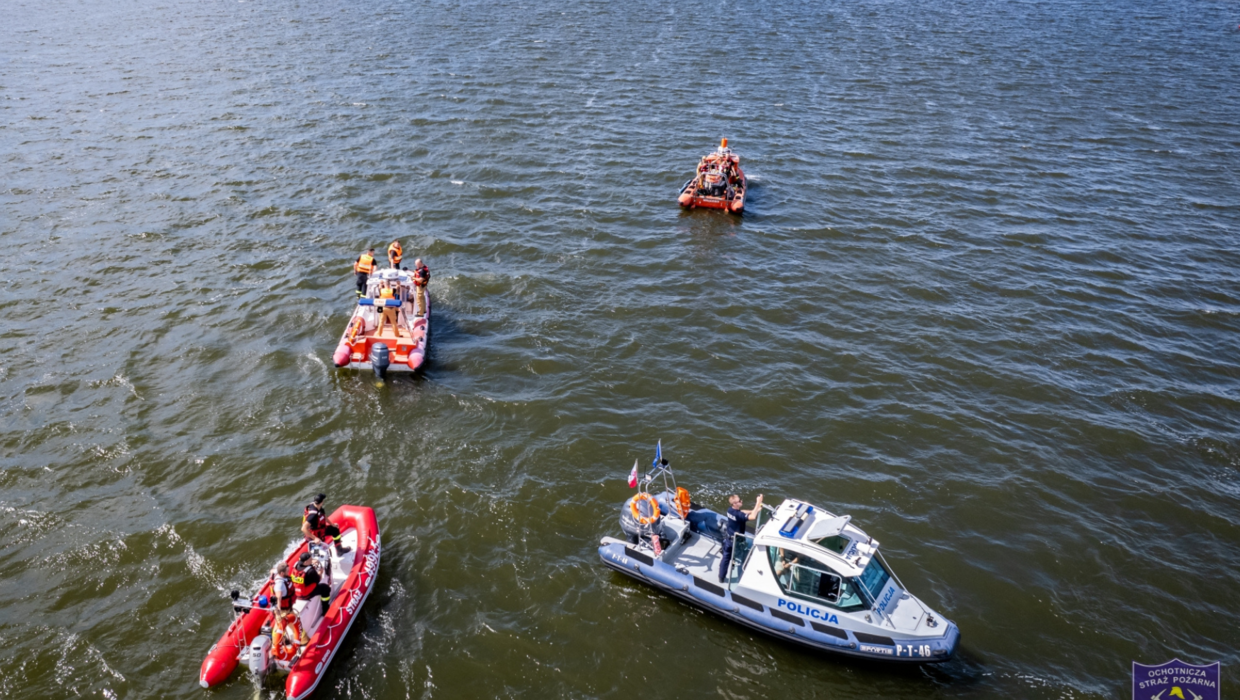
column 719, row 184
column 389, row 330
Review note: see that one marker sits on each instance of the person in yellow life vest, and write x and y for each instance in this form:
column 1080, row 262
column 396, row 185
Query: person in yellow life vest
column 363, row 267
column 394, row 254
column 387, row 314
column 421, row 275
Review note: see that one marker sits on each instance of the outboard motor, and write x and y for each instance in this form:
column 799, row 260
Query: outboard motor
column 715, row 183
column 260, row 654
column 380, row 360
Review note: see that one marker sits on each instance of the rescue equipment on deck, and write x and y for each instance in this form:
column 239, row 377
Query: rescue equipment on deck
column 652, row 506
column 683, row 503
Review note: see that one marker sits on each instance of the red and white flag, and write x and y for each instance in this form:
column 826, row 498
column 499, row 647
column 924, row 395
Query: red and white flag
column 633, row 476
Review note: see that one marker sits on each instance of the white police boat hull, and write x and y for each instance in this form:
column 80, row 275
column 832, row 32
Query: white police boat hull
column 889, row 625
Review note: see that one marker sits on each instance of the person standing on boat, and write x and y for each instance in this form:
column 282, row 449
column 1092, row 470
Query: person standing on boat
column 395, row 253
column 421, row 275
column 736, row 524
column 308, row 582
column 282, row 587
column 315, row 525
column 363, row 267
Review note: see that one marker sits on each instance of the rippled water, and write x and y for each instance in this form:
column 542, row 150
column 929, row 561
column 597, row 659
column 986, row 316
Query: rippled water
column 984, row 298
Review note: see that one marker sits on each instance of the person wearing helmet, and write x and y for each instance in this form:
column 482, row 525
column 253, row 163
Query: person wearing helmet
column 315, row 525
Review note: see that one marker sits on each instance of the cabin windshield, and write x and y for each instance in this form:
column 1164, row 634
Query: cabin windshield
column 873, row 578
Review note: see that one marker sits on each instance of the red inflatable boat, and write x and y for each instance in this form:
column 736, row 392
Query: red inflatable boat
column 719, row 184
column 352, row 577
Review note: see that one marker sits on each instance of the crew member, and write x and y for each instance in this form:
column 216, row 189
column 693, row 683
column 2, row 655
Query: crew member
column 308, row 582
column 787, row 558
column 282, row 587
column 421, row 275
column 363, row 267
column 315, row 525
column 394, row 254
column 737, row 519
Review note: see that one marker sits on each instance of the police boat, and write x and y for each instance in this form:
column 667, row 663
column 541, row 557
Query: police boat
column 805, row 575
column 385, row 334
column 301, row 645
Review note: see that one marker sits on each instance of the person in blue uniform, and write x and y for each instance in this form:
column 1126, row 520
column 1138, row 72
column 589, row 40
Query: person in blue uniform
column 736, row 523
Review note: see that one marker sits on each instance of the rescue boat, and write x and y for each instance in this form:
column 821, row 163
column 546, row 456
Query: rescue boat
column 385, row 334
column 805, row 575
column 248, row 638
column 719, row 183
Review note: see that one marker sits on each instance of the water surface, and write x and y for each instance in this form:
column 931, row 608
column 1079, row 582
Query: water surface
column 984, row 299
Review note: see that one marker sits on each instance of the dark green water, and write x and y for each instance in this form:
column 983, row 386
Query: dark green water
column 984, row 298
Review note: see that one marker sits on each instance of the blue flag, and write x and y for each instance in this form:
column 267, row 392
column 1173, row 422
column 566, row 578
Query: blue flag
column 658, row 454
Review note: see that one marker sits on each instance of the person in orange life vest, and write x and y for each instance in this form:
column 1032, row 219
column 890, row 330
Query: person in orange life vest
column 308, row 582
column 315, row 525
column 363, row 267
column 394, row 254
column 282, row 587
column 421, row 275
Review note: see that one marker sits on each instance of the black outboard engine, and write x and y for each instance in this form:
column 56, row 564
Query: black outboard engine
column 380, row 360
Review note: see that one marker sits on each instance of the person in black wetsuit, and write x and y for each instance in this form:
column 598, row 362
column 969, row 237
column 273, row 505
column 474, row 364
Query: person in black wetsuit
column 736, row 522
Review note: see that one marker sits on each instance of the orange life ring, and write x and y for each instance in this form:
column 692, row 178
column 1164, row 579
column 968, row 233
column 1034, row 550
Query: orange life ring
column 682, row 502
column 287, row 639
column 637, row 515
column 355, row 326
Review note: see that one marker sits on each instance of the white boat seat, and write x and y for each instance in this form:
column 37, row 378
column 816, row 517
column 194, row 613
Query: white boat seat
column 310, row 612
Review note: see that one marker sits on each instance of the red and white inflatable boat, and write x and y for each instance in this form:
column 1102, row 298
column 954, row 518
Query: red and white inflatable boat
column 352, row 576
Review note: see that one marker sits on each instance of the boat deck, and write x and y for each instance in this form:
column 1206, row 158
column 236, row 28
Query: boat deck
column 700, row 555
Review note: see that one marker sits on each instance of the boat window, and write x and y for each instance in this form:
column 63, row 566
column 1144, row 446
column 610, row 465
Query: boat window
column 834, row 543
column 803, row 576
column 874, row 577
